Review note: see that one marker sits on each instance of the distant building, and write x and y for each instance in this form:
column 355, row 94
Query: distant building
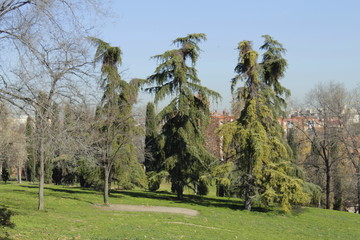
column 304, row 119
column 213, row 141
column 303, row 123
column 308, row 118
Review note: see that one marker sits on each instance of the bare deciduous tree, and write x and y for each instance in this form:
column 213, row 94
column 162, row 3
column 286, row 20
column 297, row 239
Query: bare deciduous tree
column 350, row 138
column 50, row 65
column 329, row 104
column 12, row 143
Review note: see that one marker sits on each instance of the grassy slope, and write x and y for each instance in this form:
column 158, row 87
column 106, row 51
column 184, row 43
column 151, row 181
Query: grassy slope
column 70, row 215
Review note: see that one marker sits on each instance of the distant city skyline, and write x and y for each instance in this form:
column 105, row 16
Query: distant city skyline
column 321, row 38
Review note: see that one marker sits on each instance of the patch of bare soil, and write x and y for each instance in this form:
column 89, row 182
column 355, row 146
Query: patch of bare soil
column 143, row 208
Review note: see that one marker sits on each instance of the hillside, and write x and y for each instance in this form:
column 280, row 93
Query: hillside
column 70, row 214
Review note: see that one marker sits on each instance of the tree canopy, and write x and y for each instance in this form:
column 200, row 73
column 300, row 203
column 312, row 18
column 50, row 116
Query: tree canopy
column 116, row 123
column 262, row 157
column 187, row 115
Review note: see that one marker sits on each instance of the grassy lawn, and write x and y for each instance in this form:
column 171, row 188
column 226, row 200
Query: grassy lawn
column 70, row 214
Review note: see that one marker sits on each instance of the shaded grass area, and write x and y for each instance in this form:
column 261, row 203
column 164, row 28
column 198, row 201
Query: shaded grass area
column 70, row 214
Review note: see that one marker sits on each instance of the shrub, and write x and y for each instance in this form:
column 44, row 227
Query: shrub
column 5, row 222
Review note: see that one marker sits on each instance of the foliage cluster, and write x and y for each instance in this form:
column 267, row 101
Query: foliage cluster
column 255, row 141
column 184, row 120
column 5, row 222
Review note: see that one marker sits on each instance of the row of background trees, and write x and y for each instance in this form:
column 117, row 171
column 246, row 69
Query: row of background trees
column 74, row 134
column 328, row 149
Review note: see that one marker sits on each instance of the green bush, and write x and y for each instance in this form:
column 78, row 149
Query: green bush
column 5, row 222
column 5, row 174
column 202, row 188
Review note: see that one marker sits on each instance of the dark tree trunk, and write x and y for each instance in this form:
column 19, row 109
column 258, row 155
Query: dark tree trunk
column 26, row 174
column 41, row 205
column 220, row 189
column 328, row 181
column 18, row 174
column 248, row 193
column 179, row 191
column 357, row 208
column 247, row 205
column 106, row 185
column 249, row 187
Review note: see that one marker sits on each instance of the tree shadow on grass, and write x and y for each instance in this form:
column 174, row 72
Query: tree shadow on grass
column 74, row 190
column 53, row 192
column 78, row 199
column 234, row 204
column 24, row 191
column 191, row 199
column 297, row 210
column 17, row 190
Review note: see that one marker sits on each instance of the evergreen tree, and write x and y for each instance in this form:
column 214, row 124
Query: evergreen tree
column 272, row 69
column 293, row 144
column 31, row 165
column 5, row 222
column 5, row 173
column 75, row 162
column 116, row 124
column 186, row 117
column 262, row 156
column 153, row 160
column 151, row 133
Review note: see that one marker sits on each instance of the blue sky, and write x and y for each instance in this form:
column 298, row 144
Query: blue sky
column 321, row 37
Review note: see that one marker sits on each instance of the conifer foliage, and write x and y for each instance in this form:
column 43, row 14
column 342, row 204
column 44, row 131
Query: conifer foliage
column 153, row 159
column 116, row 124
column 5, row 222
column 186, row 117
column 151, row 133
column 273, row 66
column 262, row 156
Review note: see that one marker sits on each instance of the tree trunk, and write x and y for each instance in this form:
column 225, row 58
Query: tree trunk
column 19, row 174
column 110, row 182
column 338, row 194
column 33, row 169
column 357, row 208
column 106, row 185
column 247, row 205
column 179, row 191
column 26, row 174
column 249, row 187
column 248, row 192
column 328, row 179
column 220, row 189
column 41, row 182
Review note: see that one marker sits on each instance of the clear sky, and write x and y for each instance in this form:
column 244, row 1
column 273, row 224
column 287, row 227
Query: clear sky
column 322, row 38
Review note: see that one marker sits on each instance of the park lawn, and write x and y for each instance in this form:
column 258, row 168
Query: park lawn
column 70, row 214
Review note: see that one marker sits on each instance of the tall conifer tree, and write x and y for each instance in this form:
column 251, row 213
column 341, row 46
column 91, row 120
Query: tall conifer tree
column 154, row 163
column 262, row 156
column 151, row 133
column 31, row 161
column 187, row 115
column 272, row 69
column 116, row 124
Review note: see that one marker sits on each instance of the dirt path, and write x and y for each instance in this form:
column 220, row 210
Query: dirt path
column 142, row 208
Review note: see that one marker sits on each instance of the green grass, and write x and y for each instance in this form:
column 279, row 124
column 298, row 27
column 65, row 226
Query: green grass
column 70, row 214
